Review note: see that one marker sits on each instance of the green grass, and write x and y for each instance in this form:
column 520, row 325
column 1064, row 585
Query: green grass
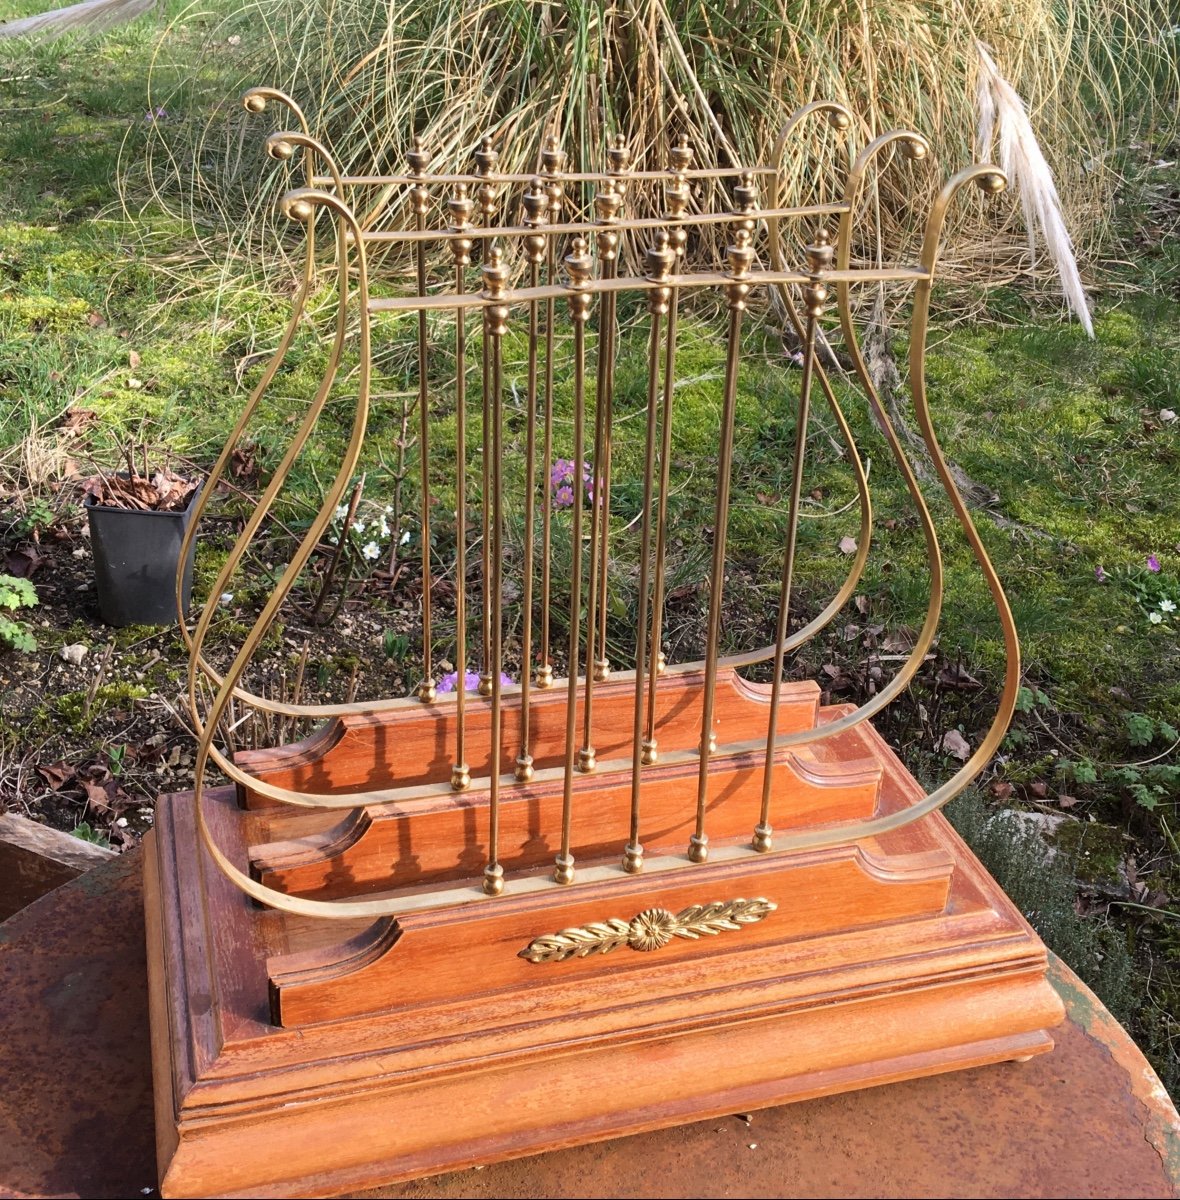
column 1064, row 431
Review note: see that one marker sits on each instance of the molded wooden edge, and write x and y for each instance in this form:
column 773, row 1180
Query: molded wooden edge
column 332, row 737
column 167, row 1073
column 271, row 859
column 184, row 1177
column 336, row 983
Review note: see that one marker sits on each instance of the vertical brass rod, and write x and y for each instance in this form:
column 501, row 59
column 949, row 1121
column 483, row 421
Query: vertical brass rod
column 677, row 201
column 619, row 158
column 420, row 198
column 763, row 832
column 461, row 207
column 535, row 204
column 495, row 276
column 741, row 255
column 485, row 163
column 552, row 161
column 606, row 204
column 660, row 260
column 819, row 257
column 578, row 264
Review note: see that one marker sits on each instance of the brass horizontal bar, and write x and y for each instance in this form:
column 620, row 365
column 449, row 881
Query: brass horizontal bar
column 621, row 224
column 702, row 279
column 528, row 176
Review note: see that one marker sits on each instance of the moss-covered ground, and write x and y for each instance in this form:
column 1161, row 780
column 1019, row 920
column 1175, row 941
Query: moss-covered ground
column 112, row 331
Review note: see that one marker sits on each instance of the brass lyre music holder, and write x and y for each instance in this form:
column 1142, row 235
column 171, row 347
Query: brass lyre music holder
column 408, row 942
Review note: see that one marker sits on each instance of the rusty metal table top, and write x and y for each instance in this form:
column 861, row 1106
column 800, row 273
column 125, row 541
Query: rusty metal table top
column 1089, row 1119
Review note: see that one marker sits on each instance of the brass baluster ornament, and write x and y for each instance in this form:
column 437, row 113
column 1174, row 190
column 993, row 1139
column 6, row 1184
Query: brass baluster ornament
column 676, row 198
column 460, row 206
column 487, row 194
column 815, row 294
column 606, row 205
column 536, row 205
column 741, row 259
column 661, row 259
column 495, row 277
column 578, row 265
column 419, row 160
column 553, row 160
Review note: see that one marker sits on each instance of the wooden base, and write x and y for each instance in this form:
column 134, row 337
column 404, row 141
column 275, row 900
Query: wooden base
column 316, row 1057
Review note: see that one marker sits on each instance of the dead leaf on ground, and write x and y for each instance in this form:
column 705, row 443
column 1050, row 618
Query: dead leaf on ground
column 57, row 774
column 1038, row 789
column 24, row 561
column 847, row 545
column 1002, row 789
column 955, row 675
column 1065, row 801
column 956, row 745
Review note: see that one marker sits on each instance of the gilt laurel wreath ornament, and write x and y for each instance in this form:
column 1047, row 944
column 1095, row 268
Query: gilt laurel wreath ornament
column 651, row 929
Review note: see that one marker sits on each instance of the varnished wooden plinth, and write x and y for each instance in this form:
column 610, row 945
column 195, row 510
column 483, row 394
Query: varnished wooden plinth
column 317, row 1057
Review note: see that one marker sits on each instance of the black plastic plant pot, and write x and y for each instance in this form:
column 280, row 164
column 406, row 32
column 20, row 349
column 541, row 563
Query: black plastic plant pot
column 136, row 554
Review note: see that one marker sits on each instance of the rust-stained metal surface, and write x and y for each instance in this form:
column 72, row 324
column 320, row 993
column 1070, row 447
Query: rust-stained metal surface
column 1089, row 1119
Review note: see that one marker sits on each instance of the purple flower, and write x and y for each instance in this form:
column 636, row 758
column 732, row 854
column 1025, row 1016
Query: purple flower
column 448, row 682
column 1100, row 574
column 1153, row 564
column 158, row 115
column 562, row 476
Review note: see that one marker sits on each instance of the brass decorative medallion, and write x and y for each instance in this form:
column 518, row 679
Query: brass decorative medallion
column 651, row 929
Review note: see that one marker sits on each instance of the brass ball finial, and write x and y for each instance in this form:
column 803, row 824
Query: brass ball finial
column 914, row 148
column 277, row 147
column 297, row 210
column 839, row 119
column 254, row 103
column 992, row 183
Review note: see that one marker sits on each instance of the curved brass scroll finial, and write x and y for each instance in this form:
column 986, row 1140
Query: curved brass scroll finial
column 255, row 100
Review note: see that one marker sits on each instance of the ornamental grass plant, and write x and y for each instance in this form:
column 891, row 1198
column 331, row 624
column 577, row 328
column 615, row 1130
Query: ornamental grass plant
column 374, row 73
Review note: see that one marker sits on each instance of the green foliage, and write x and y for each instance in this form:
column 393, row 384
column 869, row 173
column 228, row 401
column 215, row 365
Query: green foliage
column 86, row 833
column 16, row 594
column 395, row 645
column 1043, row 889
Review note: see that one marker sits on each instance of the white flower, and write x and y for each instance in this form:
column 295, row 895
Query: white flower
column 1167, row 606
column 1155, row 618
column 388, row 509
column 358, row 527
column 226, row 597
column 341, row 512
column 405, row 537
column 384, row 527
column 371, row 551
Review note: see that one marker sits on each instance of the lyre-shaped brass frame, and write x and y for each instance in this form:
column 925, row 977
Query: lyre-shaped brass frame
column 554, row 238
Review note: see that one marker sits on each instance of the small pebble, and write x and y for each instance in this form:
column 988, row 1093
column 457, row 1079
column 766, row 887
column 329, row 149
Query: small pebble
column 74, row 654
column 753, row 1145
